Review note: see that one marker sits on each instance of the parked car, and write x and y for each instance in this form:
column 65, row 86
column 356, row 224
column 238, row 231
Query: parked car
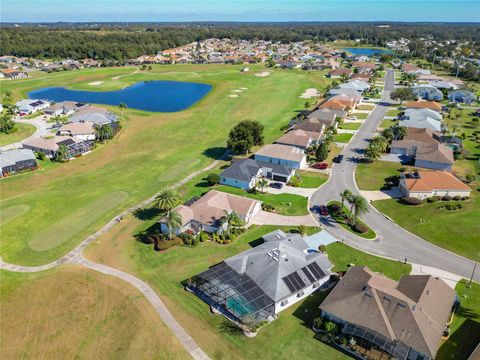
column 276, row 185
column 324, row 210
column 320, row 166
column 315, row 209
column 339, row 159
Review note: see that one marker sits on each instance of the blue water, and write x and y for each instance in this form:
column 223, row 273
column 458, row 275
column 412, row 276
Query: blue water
column 155, row 96
column 367, row 51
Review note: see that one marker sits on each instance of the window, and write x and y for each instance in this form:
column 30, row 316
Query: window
column 300, row 294
column 284, row 302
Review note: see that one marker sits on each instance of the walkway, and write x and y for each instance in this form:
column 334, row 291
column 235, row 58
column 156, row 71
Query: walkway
column 43, row 129
column 306, row 192
column 381, row 194
column 269, row 218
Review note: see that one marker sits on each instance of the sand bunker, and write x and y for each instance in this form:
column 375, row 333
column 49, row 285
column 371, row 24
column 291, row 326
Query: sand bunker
column 243, row 88
column 234, row 96
column 263, row 74
column 96, row 83
column 237, row 90
column 309, row 93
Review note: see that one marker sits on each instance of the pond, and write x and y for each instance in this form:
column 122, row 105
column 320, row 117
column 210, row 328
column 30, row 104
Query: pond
column 367, row 51
column 155, row 96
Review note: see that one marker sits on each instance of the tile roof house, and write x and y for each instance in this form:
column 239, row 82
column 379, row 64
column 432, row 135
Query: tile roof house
column 49, row 146
column 341, row 102
column 424, row 184
column 245, row 173
column 207, row 212
column 96, row 115
column 339, row 72
column 424, row 145
column 404, row 318
column 83, row 130
column 14, row 74
column 259, row 283
column 12, row 161
column 290, row 156
column 300, row 138
column 432, row 105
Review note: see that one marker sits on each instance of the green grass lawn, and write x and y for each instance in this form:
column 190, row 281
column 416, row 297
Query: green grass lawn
column 465, row 328
column 360, row 116
column 386, row 123
column 285, row 204
column 342, row 255
column 311, row 179
column 456, row 231
column 342, row 138
column 350, row 126
column 23, row 131
column 393, row 112
column 152, row 151
column 365, row 107
column 371, row 176
column 370, row 234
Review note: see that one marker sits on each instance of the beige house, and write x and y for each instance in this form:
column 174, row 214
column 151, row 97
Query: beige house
column 300, row 138
column 83, row 130
column 424, row 184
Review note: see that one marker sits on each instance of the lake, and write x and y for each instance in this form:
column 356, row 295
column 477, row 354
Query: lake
column 154, row 96
column 367, row 51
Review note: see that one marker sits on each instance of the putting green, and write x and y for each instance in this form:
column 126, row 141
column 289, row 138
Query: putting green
column 12, row 212
column 67, row 227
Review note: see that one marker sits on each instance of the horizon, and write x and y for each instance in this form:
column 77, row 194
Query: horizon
column 245, row 11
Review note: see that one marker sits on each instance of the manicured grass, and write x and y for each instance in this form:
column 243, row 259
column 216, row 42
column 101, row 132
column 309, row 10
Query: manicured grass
column 285, row 204
column 456, row 231
column 342, row 256
column 152, row 151
column 311, row 179
column 351, row 126
column 73, row 313
column 365, row 107
column 465, row 328
column 386, row 123
column 393, row 112
column 334, row 151
column 360, row 116
column 371, row 176
column 287, row 337
column 370, row 234
column 23, row 131
column 342, row 138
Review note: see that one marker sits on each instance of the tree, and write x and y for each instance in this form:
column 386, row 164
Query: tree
column 122, row 107
column 307, row 105
column 403, row 94
column 103, row 132
column 321, row 153
column 173, row 221
column 61, row 154
column 244, row 135
column 345, row 195
column 372, row 153
column 359, row 206
column 213, row 179
column 262, row 184
column 231, row 219
column 7, row 125
column 380, row 142
column 167, row 200
column 7, row 98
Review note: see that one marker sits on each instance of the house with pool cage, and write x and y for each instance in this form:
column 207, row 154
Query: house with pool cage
column 257, row 284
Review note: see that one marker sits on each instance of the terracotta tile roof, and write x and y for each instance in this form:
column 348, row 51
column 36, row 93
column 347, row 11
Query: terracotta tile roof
column 435, row 180
column 432, row 105
column 340, row 72
column 299, row 137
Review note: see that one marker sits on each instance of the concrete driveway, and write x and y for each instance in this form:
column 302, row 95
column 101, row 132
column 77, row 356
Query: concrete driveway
column 43, row 129
column 306, row 192
column 381, row 194
column 269, row 218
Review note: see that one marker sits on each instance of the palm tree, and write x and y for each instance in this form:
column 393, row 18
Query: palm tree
column 262, row 184
column 173, row 221
column 103, row 132
column 167, row 200
column 373, row 153
column 359, row 207
column 61, row 154
column 231, row 219
column 122, row 107
column 345, row 195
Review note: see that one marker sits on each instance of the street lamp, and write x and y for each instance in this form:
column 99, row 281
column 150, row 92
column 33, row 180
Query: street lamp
column 473, row 272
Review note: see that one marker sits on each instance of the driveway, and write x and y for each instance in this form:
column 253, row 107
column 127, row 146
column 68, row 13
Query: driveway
column 43, row 129
column 269, row 218
column 381, row 194
column 393, row 241
column 306, row 192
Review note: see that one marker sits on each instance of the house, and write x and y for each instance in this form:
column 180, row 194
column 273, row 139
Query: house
column 357, row 85
column 432, row 105
column 207, row 212
column 414, row 69
column 286, row 155
column 341, row 102
column 245, row 173
column 14, row 74
column 422, row 119
column 49, row 146
column 344, row 91
column 328, row 115
column 443, row 84
column 30, row 106
column 427, row 92
column 425, row 184
column 258, row 283
column 84, row 130
column 64, row 108
column 96, row 115
column 402, row 319
column 339, row 72
column 362, row 77
column 429, row 155
column 462, row 96
column 364, row 67
column 12, row 161
column 300, row 138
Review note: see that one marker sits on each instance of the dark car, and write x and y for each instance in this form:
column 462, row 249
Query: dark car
column 320, row 166
column 339, row 159
column 324, row 210
column 276, row 185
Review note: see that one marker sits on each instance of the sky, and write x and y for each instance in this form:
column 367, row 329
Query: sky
column 244, row 10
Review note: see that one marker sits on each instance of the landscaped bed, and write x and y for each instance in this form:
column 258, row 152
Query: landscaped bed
column 341, row 218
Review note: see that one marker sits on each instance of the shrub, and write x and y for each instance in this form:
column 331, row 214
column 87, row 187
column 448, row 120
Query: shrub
column 40, row 155
column 167, row 244
column 322, row 248
column 465, row 198
column 335, row 208
column 361, row 228
column 295, row 181
column 317, row 323
column 187, row 238
column 203, row 236
column 470, row 178
column 331, row 327
column 412, row 201
column 446, row 198
column 268, row 207
column 457, row 198
column 433, row 199
column 213, row 179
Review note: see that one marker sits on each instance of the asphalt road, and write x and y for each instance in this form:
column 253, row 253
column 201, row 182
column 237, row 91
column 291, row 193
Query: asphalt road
column 393, row 241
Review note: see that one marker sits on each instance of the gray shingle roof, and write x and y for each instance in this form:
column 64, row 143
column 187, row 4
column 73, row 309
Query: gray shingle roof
column 11, row 157
column 246, row 169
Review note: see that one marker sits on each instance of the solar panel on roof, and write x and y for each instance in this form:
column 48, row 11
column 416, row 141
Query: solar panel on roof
column 66, row 142
column 299, row 280
column 316, row 270
column 294, row 282
column 308, row 274
column 289, row 284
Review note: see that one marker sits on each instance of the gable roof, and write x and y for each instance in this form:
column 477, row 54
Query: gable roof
column 284, row 152
column 413, row 310
column 246, row 169
column 299, row 137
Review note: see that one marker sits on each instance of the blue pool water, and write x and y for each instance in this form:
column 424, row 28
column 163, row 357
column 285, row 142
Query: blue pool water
column 367, row 51
column 155, row 96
